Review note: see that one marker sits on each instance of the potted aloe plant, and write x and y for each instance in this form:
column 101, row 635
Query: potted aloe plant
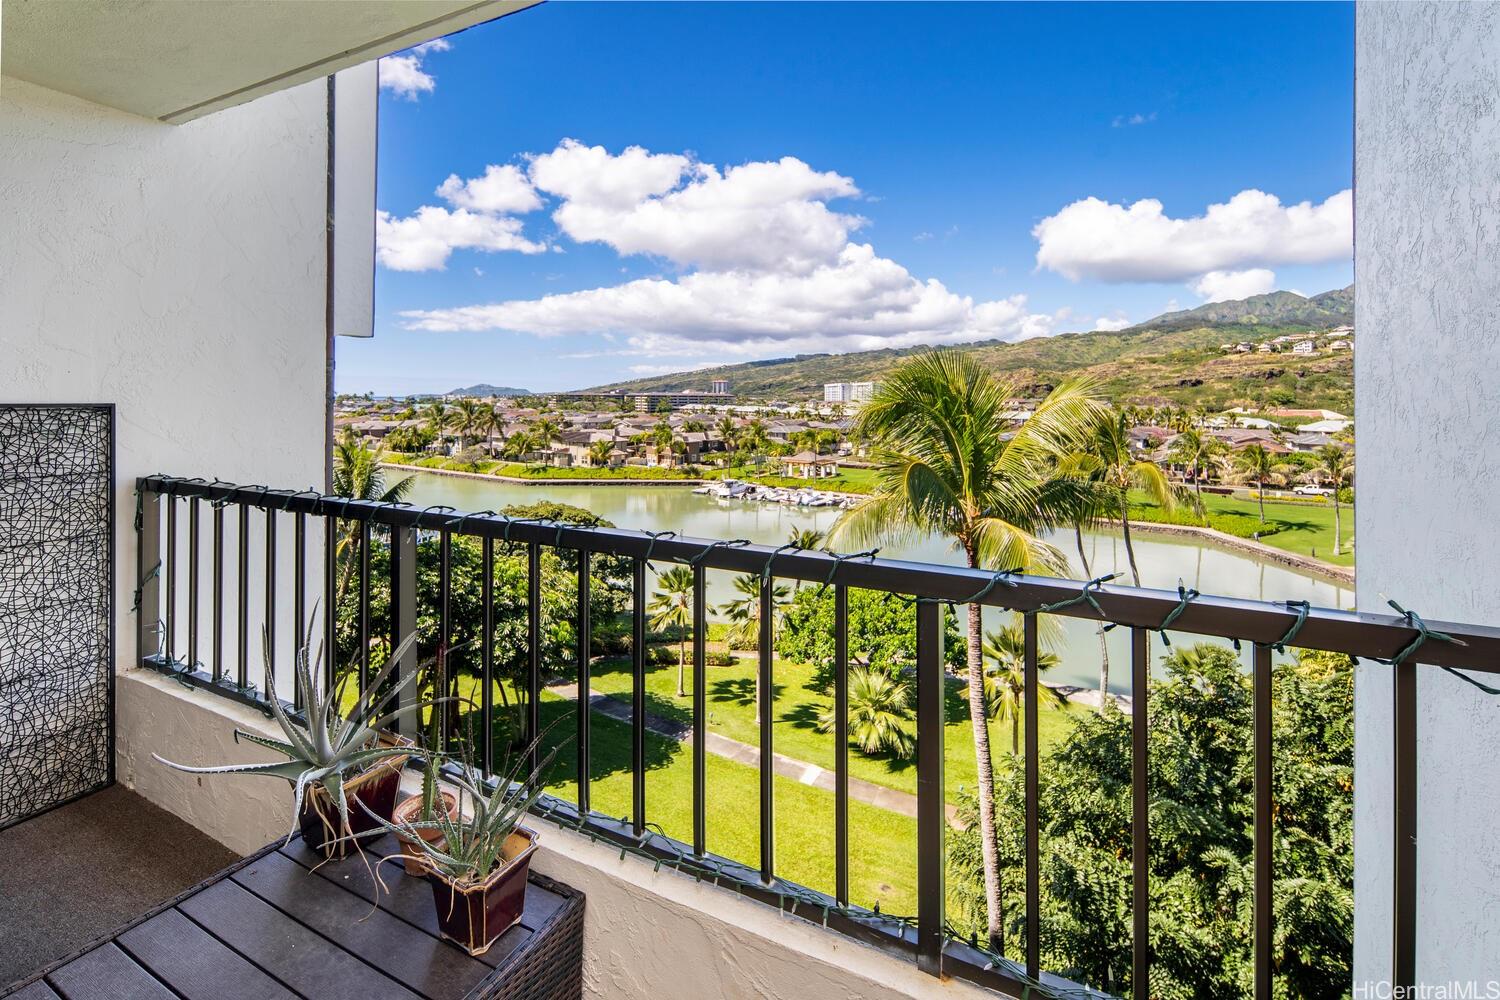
column 478, row 863
column 335, row 755
column 422, row 809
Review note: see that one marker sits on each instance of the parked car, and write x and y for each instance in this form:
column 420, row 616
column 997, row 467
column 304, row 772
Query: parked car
column 1310, row 490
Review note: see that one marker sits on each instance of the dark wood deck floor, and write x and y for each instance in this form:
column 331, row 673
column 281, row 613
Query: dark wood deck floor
column 280, row 924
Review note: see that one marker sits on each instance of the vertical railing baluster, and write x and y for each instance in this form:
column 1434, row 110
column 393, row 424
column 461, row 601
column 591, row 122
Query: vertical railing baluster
column 533, row 649
column 170, row 623
column 218, row 595
column 841, row 743
column 1404, row 881
column 148, row 566
column 445, row 678
column 364, row 604
column 242, row 594
column 268, row 654
column 766, row 693
column 487, row 655
column 1140, row 817
column 1261, row 746
column 403, row 583
column 193, row 557
column 330, row 599
column 585, row 639
column 1031, row 694
column 700, row 711
column 638, row 697
column 930, row 794
column 299, row 594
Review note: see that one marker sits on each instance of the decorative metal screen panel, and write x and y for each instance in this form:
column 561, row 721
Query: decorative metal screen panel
column 56, row 605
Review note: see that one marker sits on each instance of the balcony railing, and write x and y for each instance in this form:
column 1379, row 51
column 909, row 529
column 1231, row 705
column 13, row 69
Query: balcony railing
column 1400, row 641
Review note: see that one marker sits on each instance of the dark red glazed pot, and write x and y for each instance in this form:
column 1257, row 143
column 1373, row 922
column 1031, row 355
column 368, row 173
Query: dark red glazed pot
column 475, row 916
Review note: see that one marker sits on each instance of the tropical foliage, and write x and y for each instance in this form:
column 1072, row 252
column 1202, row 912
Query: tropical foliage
column 1201, row 780
column 947, row 464
column 878, row 713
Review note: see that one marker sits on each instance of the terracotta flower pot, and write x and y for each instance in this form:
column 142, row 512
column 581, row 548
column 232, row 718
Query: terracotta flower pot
column 371, row 791
column 409, row 810
column 474, row 916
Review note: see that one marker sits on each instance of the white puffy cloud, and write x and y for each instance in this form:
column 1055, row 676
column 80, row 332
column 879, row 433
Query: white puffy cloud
column 502, row 189
column 1221, row 286
column 482, row 218
column 856, row 302
column 423, row 241
column 402, row 74
column 1096, row 239
column 1111, row 323
column 769, row 215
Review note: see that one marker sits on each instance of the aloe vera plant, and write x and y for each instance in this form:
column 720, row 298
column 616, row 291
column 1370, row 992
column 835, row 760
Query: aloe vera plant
column 332, row 745
column 474, row 842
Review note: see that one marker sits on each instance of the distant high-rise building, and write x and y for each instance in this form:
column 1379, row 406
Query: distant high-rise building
column 719, row 386
column 848, row 392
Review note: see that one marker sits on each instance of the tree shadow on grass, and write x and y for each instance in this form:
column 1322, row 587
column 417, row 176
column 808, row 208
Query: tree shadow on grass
column 739, row 691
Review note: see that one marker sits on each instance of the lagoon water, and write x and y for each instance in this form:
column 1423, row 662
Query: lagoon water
column 1163, row 561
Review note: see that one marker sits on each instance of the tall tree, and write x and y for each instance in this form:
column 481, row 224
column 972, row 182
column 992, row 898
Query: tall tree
column 1197, row 452
column 946, row 463
column 434, row 417
column 1258, row 464
column 599, row 451
column 671, row 607
column 1124, row 470
column 743, row 612
column 1005, row 679
column 1336, row 467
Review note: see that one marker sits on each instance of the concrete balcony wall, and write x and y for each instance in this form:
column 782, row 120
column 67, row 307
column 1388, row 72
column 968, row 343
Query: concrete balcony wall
column 649, row 935
column 1427, row 416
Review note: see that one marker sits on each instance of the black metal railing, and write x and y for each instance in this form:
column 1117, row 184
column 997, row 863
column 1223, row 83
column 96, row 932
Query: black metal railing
column 1401, row 641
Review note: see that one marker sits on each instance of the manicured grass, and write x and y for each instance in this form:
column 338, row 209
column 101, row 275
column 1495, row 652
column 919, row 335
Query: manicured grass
column 1303, row 528
column 731, row 692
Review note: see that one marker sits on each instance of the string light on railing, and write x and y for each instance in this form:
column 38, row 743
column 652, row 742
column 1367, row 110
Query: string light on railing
column 1185, row 596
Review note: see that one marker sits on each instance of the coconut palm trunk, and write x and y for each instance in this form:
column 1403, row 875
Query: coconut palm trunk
column 985, row 768
column 1088, row 574
column 1338, row 532
column 1135, row 572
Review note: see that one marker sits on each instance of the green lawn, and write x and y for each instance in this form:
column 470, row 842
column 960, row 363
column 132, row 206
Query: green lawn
column 1304, row 528
column 731, row 692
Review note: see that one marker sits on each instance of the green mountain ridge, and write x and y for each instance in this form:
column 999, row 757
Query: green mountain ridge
column 1182, row 348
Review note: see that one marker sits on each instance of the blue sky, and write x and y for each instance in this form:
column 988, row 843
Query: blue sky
column 838, row 177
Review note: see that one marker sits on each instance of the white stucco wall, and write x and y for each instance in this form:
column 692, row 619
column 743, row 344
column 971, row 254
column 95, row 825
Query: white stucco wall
column 177, row 272
column 1427, row 417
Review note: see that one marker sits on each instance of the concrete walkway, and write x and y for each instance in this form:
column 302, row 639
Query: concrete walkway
column 787, row 767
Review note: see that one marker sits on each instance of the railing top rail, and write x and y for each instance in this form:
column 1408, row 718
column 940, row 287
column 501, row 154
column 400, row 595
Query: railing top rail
column 1359, row 634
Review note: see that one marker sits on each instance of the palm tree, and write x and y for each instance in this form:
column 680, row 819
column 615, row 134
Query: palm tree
column 1005, row 679
column 1336, row 466
column 805, row 538
column 1257, row 463
column 728, row 431
column 743, row 612
column 358, row 473
column 1123, row 470
column 672, row 607
column 435, row 416
column 468, row 416
column 519, row 444
column 545, row 429
column 490, row 423
column 599, row 451
column 1198, row 452
column 877, row 710
column 945, row 463
column 1093, row 502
